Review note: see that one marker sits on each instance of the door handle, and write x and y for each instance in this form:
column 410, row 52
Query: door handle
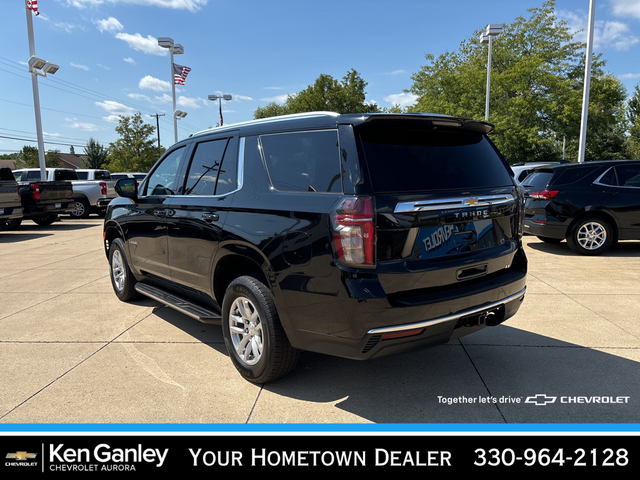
column 210, row 217
column 160, row 213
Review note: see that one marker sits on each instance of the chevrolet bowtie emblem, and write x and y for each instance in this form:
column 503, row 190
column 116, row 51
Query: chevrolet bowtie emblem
column 21, row 455
column 471, row 201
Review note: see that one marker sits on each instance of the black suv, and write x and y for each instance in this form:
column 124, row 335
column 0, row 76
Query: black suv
column 591, row 204
column 349, row 235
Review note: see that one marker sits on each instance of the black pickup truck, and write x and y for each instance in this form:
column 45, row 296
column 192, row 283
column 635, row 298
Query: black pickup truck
column 42, row 202
column 10, row 205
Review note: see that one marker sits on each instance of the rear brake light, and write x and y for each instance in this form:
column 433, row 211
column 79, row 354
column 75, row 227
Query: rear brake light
column 103, row 188
column 545, row 194
column 36, row 191
column 354, row 231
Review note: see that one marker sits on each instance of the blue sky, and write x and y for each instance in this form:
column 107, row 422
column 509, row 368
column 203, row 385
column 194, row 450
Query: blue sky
column 256, row 50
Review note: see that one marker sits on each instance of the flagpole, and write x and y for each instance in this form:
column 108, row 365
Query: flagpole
column 173, row 95
column 36, row 97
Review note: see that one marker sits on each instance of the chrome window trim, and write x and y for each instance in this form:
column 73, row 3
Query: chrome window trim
column 453, row 203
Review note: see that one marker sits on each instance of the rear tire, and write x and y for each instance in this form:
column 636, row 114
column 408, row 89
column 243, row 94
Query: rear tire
column 122, row 280
column 81, row 208
column 253, row 334
column 550, row 240
column 591, row 236
column 13, row 224
column 44, row 220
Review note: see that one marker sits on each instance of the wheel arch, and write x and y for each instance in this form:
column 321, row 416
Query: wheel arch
column 586, row 213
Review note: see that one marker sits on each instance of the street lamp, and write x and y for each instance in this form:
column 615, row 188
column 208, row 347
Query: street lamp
column 213, row 98
column 38, row 66
column 177, row 115
column 167, row 42
column 492, row 30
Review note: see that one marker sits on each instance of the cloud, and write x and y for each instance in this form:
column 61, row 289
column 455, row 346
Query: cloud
column 138, row 96
column 629, row 76
column 402, row 99
column 129, row 60
column 191, row 5
column 190, row 102
column 276, row 99
column 151, row 83
column 396, row 72
column 164, row 98
column 110, row 24
column 80, row 66
column 626, row 8
column 115, row 110
column 138, row 42
column 606, row 34
column 85, row 127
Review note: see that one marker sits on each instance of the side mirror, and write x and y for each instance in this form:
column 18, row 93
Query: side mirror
column 127, row 187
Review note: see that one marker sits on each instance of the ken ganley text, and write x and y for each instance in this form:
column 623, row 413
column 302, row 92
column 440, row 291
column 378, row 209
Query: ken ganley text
column 261, row 457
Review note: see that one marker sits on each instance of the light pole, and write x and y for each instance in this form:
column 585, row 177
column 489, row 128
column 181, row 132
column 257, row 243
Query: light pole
column 167, row 42
column 492, row 30
column 587, row 84
column 38, row 66
column 213, row 98
column 178, row 114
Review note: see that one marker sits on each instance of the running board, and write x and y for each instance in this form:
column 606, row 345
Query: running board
column 180, row 304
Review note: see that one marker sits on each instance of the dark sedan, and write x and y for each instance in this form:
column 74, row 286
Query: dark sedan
column 592, row 205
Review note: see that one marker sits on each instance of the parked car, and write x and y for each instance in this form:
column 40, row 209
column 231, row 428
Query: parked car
column 350, row 235
column 10, row 203
column 42, row 201
column 522, row 170
column 89, row 196
column 137, row 175
column 93, row 174
column 591, row 205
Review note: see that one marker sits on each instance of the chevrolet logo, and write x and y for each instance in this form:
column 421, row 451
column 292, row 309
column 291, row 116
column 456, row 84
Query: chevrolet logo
column 21, row 455
column 471, row 201
column 540, row 399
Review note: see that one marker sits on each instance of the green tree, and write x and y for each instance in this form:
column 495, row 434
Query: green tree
column 633, row 116
column 325, row 94
column 28, row 157
column 135, row 149
column 96, row 154
column 537, row 82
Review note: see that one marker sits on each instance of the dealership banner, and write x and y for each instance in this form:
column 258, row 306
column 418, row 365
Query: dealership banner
column 102, row 454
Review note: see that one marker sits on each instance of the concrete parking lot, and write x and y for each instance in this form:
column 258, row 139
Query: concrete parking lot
column 73, row 353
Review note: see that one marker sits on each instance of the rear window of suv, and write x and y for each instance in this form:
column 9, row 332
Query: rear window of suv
column 407, row 160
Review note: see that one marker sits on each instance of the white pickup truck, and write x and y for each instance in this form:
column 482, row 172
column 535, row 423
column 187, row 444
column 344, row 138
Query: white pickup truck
column 92, row 188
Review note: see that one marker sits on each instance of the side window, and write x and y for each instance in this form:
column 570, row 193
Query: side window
column 204, row 168
column 628, row 175
column 228, row 176
column 162, row 180
column 303, row 161
column 609, row 178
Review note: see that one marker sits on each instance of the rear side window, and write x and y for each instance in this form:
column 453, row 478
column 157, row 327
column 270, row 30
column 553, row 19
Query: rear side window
column 412, row 159
column 303, row 161
column 572, row 175
column 537, row 180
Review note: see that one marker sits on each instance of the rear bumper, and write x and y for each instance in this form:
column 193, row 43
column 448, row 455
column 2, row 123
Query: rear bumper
column 359, row 328
column 49, row 209
column 104, row 202
column 541, row 226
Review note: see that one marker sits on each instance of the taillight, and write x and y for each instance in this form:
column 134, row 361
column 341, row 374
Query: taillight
column 103, row 189
column 354, row 231
column 36, row 191
column 544, row 194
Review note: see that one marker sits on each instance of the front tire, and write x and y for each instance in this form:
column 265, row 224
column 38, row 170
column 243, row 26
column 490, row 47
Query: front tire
column 122, row 279
column 591, row 236
column 253, row 335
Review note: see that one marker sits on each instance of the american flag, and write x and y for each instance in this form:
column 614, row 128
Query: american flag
column 33, row 5
column 180, row 74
